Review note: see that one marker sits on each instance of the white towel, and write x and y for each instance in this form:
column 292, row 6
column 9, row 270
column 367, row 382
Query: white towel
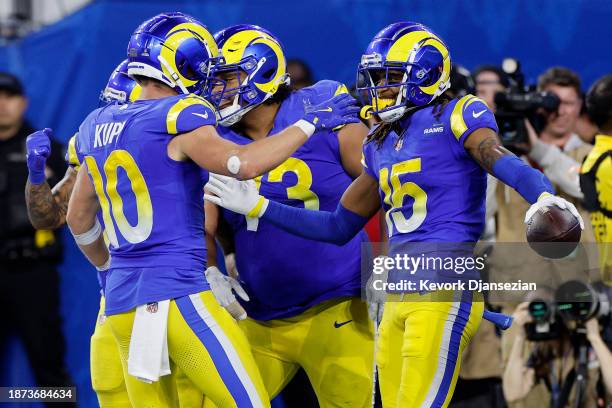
column 148, row 355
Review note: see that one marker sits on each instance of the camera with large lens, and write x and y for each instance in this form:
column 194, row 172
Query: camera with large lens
column 517, row 103
column 545, row 325
column 574, row 303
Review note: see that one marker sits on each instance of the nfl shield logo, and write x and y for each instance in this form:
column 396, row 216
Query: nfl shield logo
column 399, row 144
column 152, row 307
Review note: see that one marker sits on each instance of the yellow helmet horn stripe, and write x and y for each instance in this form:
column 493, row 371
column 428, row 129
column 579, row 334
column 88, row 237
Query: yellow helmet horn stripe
column 174, row 39
column 400, row 50
column 233, row 52
column 445, row 75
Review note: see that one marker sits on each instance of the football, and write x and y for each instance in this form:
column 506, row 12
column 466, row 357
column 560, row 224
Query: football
column 553, row 232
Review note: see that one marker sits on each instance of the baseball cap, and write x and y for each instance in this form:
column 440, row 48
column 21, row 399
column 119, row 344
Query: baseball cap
column 10, row 83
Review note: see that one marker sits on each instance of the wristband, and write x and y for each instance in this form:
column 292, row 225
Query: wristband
column 105, row 266
column 90, row 236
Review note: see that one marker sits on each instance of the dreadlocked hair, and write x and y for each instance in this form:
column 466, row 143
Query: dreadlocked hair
column 382, row 131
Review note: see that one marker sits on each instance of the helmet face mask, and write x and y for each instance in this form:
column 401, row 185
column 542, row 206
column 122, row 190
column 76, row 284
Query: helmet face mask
column 120, row 87
column 383, row 88
column 251, row 70
column 406, row 66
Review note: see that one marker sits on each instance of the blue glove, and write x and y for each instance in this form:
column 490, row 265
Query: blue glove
column 39, row 149
column 334, row 112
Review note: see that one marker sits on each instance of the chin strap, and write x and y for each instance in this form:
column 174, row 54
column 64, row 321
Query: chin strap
column 174, row 76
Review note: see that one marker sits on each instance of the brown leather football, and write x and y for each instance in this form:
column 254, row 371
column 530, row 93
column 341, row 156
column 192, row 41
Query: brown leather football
column 553, row 232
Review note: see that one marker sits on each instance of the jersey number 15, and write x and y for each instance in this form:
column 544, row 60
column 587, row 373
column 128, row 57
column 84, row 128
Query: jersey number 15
column 394, row 197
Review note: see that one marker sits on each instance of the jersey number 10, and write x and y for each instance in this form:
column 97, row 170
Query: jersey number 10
column 133, row 234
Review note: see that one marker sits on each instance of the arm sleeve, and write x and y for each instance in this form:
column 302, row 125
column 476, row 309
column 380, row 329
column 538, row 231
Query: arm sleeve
column 471, row 113
column 527, row 181
column 560, row 168
column 336, row 227
column 189, row 113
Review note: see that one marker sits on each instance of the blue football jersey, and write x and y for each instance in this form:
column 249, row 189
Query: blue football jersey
column 431, row 189
column 285, row 274
column 152, row 206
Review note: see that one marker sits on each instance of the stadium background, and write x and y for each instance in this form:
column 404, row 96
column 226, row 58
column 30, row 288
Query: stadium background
column 64, row 65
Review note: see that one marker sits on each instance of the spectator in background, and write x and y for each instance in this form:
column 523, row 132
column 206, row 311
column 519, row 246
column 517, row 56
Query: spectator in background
column 300, row 74
column 596, row 177
column 489, row 80
column 29, row 281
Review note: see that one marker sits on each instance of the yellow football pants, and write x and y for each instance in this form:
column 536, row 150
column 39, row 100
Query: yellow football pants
column 205, row 343
column 106, row 371
column 333, row 342
column 421, row 340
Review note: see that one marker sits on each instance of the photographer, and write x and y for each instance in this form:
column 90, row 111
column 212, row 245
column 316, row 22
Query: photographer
column 559, row 150
column 596, row 177
column 536, row 372
column 489, row 81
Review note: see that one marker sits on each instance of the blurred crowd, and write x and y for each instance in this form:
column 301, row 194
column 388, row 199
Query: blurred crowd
column 553, row 125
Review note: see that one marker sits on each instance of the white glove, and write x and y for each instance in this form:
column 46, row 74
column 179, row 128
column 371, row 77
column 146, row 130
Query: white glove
column 376, row 298
column 222, row 286
column 238, row 196
column 548, row 200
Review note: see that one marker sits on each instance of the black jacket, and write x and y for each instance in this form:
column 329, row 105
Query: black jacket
column 15, row 227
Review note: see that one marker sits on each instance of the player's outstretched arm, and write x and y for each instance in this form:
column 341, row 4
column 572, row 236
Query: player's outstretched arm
column 359, row 202
column 484, row 146
column 205, row 147
column 82, row 221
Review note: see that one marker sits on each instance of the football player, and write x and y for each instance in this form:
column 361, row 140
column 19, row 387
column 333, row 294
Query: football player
column 305, row 308
column 426, row 165
column 47, row 210
column 142, row 168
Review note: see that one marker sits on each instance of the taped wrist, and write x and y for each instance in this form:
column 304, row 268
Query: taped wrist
column 527, row 181
column 259, row 209
column 90, row 236
column 105, row 266
column 305, row 126
column 336, row 227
